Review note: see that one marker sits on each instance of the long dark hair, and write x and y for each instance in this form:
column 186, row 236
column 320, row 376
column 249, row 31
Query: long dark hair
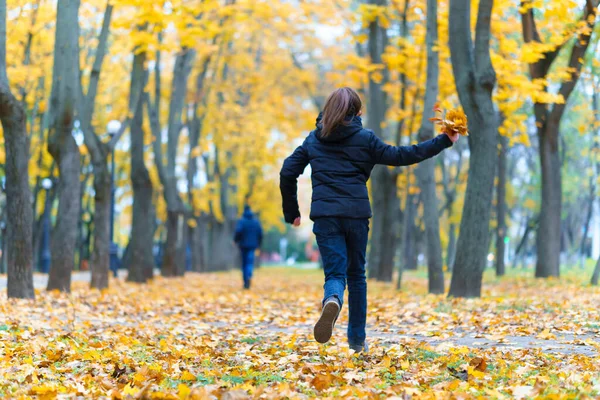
column 342, row 104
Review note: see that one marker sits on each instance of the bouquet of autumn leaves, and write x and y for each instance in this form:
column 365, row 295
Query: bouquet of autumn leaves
column 452, row 122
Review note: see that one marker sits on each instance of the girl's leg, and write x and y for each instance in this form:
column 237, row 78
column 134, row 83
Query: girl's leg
column 332, row 245
column 357, row 234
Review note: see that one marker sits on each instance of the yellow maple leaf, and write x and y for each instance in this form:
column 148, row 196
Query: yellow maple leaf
column 183, row 391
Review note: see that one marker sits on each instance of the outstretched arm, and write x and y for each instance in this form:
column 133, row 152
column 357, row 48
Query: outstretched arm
column 398, row 156
column 292, row 168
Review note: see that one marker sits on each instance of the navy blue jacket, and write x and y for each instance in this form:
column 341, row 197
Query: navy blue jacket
column 341, row 165
column 248, row 232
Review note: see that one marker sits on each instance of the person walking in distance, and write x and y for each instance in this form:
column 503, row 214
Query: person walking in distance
column 342, row 154
column 248, row 237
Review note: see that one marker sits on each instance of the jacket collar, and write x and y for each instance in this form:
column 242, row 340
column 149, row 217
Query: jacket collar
column 342, row 132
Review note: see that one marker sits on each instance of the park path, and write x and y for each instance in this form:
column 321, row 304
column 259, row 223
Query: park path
column 40, row 281
column 568, row 344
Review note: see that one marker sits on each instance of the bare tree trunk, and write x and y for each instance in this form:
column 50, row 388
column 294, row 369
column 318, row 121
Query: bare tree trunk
column 501, row 208
column 596, row 274
column 385, row 203
column 426, row 170
column 18, row 238
column 451, row 249
column 383, row 181
column 141, row 260
column 62, row 145
column 475, row 80
column 99, row 152
column 586, row 227
column 409, row 233
column 549, row 231
column 170, row 265
column 167, row 175
column 223, row 254
column 100, row 259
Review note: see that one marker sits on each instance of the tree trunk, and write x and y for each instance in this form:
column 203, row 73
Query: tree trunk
column 596, row 274
column 18, row 238
column 167, row 174
column 586, row 225
column 62, row 145
column 451, row 249
column 383, row 240
column 409, row 230
column 475, row 80
column 141, row 259
column 223, row 253
column 426, row 170
column 170, row 265
column 99, row 151
column 100, row 260
column 501, row 208
column 383, row 182
column 549, row 231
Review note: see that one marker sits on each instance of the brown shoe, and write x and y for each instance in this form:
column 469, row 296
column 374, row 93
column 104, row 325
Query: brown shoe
column 324, row 326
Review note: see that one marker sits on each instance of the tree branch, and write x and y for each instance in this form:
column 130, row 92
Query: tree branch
column 98, row 149
column 157, row 140
column 461, row 50
column 315, row 99
column 3, row 75
column 582, row 42
column 92, row 91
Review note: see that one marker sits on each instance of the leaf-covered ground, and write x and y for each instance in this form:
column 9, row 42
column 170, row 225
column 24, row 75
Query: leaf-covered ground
column 202, row 336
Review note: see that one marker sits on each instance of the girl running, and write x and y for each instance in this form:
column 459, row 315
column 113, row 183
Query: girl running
column 342, row 155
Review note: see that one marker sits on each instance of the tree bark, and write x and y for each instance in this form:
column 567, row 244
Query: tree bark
column 99, row 152
column 18, row 238
column 549, row 231
column 596, row 274
column 140, row 260
column 166, row 173
column 383, row 180
column 501, row 208
column 62, row 145
column 475, row 80
column 409, row 233
column 426, row 170
column 100, row 259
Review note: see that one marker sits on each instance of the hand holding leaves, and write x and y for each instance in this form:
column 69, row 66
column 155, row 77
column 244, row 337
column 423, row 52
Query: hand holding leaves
column 453, row 123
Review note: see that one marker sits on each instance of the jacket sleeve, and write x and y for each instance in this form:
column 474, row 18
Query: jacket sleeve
column 398, row 156
column 293, row 167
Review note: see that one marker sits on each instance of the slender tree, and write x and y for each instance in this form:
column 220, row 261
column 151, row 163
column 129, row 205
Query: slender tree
column 501, row 207
column 475, row 80
column 99, row 152
column 18, row 238
column 62, row 145
column 140, row 260
column 173, row 262
column 426, row 170
column 548, row 118
column 383, row 180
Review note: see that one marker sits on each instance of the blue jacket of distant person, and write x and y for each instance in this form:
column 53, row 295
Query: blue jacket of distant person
column 341, row 165
column 248, row 232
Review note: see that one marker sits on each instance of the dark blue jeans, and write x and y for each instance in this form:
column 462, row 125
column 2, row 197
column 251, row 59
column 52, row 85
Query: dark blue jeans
column 343, row 246
column 247, row 265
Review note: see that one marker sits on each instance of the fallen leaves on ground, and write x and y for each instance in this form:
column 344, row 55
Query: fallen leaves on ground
column 203, row 337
